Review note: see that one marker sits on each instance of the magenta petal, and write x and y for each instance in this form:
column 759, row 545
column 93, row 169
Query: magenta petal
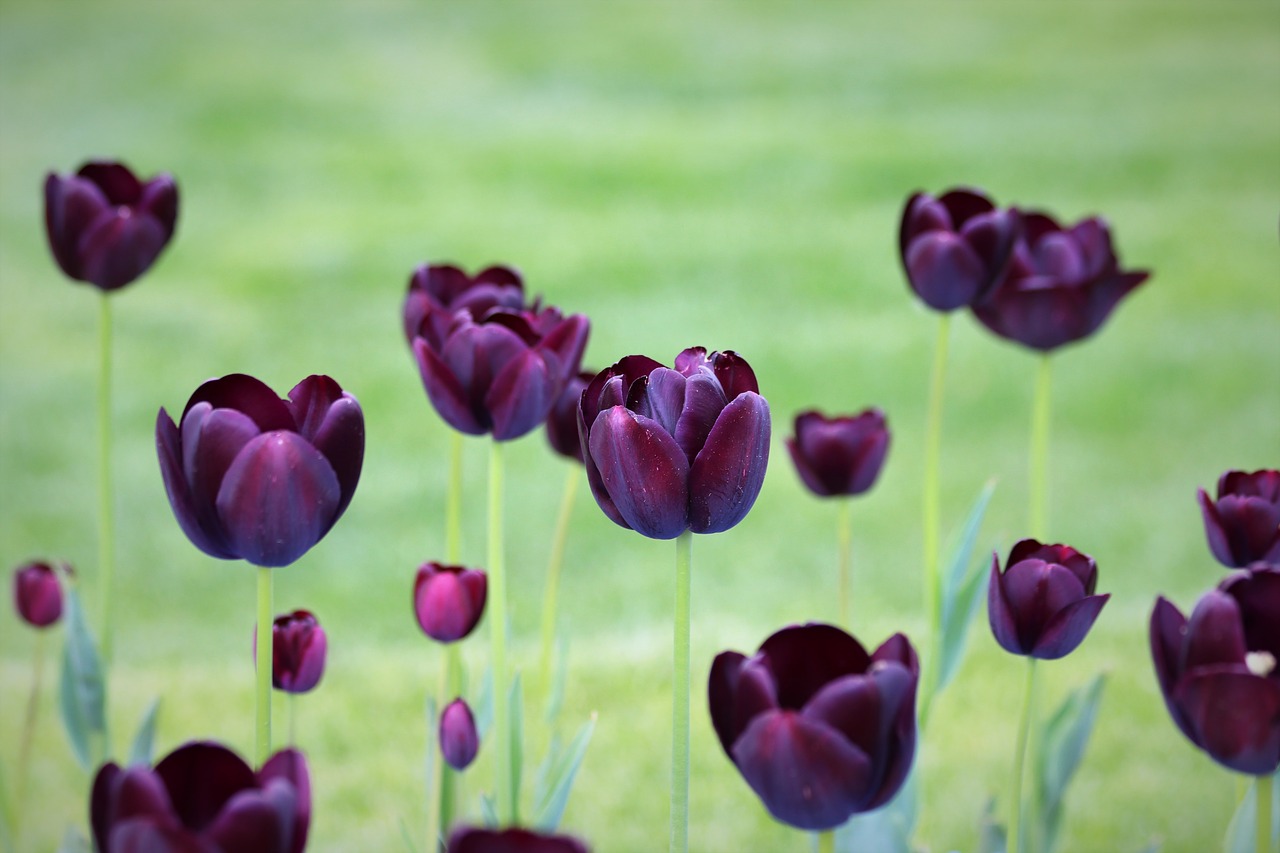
column 252, row 823
column 200, row 778
column 290, row 765
column 444, row 390
column 564, row 345
column 1237, row 715
column 725, row 479
column 1068, row 627
column 644, row 472
column 521, row 396
column 206, row 536
column 734, row 374
column 459, row 741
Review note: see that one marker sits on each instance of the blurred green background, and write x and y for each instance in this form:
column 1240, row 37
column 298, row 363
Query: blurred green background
column 725, row 174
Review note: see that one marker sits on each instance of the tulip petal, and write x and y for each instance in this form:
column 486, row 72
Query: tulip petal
column 70, row 205
column 521, row 395
column 594, row 479
column 209, row 538
column 1215, row 531
column 734, row 374
column 143, row 836
column 992, row 235
column 1067, row 628
column 944, row 271
column 1168, row 631
column 139, row 792
column 564, row 345
column 1258, row 594
column 726, row 477
column 102, row 802
column 897, row 649
column 211, row 440
column 1004, row 626
column 340, row 438
column 644, row 472
column 445, row 606
column 200, row 778
column 701, row 403
column 160, row 200
column 290, row 765
column 660, row 396
column 245, row 394
column 446, row 393
column 252, row 823
column 722, row 691
column 803, row 658
column 119, row 247
column 1251, row 527
column 116, row 181
column 1215, row 634
column 1036, row 591
column 1237, row 717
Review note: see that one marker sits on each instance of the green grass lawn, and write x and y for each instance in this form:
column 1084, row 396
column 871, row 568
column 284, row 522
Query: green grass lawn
column 725, row 174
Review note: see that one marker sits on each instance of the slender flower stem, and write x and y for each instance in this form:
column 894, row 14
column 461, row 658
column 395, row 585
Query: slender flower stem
column 932, row 453
column 263, row 728
column 554, row 563
column 29, row 729
column 106, row 512
column 444, row 774
column 1014, row 843
column 844, row 536
column 1039, row 467
column 453, row 503
column 827, row 841
column 680, row 698
column 293, row 720
column 1263, row 794
column 498, row 639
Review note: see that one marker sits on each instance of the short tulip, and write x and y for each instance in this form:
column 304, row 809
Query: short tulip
column 674, row 450
column 839, row 456
column 105, row 226
column 562, row 423
column 467, row 839
column 819, row 729
column 448, row 600
column 1043, row 605
column 1243, row 524
column 203, row 796
column 254, row 477
column 1218, row 671
column 459, row 740
column 37, row 594
column 437, row 291
column 299, row 646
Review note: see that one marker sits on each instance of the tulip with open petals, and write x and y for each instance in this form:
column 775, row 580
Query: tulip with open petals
column 1043, row 605
column 37, row 593
column 1243, row 524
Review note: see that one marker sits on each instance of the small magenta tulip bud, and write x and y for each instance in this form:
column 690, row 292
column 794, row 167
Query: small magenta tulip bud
column 839, row 456
column 459, row 741
column 37, row 593
column 448, row 600
column 467, row 839
column 1243, row 524
column 299, row 647
column 1043, row 605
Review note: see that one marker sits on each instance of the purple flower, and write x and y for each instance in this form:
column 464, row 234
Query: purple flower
column 839, row 456
column 298, row 648
column 562, row 423
column 1061, row 284
column 467, row 839
column 105, row 226
column 438, row 291
column 459, row 741
column 37, row 593
column 1218, row 671
column 1243, row 524
column 955, row 248
column 1043, row 605
column 674, row 450
column 204, row 797
column 819, row 729
column 254, row 477
column 448, row 600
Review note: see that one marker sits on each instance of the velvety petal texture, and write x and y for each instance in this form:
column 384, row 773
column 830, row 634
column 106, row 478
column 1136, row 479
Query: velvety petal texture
column 562, row 423
column 448, row 600
column 819, row 729
column 839, row 456
column 437, row 291
column 1243, row 523
column 466, row 839
column 37, row 593
column 1043, row 605
column 459, row 740
column 299, row 648
column 954, row 248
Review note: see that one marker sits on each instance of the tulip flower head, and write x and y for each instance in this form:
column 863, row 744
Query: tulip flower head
column 438, row 291
column 459, row 740
column 562, row 423
column 819, row 729
column 467, row 839
column 299, row 646
column 37, row 593
column 1243, row 524
column 673, row 450
column 251, row 476
column 448, row 600
column 105, row 226
column 839, row 456
column 1218, row 670
column 203, row 796
column 1043, row 604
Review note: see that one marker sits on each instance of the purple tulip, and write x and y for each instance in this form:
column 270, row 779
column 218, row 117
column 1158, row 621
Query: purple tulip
column 438, row 291
column 254, row 477
column 299, row 646
column 204, row 797
column 819, row 729
column 1061, row 284
column 839, row 456
column 955, row 248
column 105, row 226
column 37, row 593
column 1218, row 671
column 562, row 423
column 448, row 600
column 674, row 450
column 467, row 839
column 459, row 741
column 1043, row 605
column 1243, row 524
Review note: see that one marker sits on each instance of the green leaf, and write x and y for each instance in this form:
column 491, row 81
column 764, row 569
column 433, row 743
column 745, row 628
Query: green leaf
column 962, row 585
column 550, row 809
column 1065, row 737
column 407, row 837
column 885, row 830
column 488, row 811
column 145, row 739
column 543, row 775
column 555, row 701
column 1242, row 831
column 82, row 687
column 516, row 705
column 482, row 710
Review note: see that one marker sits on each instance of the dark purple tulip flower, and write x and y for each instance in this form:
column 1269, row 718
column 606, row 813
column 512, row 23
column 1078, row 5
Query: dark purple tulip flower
column 1061, row 285
column 1043, row 605
column 1243, row 524
column 955, row 247
column 839, row 456
column 674, row 450
column 562, row 423
column 459, row 740
column 105, row 226
column 299, row 646
column 1218, row 671
column 254, row 477
column 819, row 729
column 203, row 797
column 448, row 600
column 37, row 593
column 467, row 839
column 438, row 291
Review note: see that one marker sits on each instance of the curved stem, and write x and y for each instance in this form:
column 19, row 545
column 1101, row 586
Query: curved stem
column 1039, row 467
column 453, row 503
column 1014, row 843
column 498, row 639
column 263, row 728
column 106, row 512
column 844, row 536
column 680, row 698
column 930, row 492
column 827, row 841
column 554, row 563
column 1263, row 794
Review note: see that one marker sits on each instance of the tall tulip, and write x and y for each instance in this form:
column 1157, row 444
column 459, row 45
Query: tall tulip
column 1243, row 523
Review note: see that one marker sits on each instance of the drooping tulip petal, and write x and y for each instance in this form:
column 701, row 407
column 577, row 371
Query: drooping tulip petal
column 644, row 472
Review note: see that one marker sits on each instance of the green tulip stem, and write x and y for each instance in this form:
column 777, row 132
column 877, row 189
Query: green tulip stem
column 293, row 720
column 844, row 536
column 1019, row 759
column 106, row 512
column 554, row 562
column 263, row 729
column 445, row 776
column 932, row 453
column 827, row 841
column 680, row 698
column 453, row 503
column 29, row 729
column 1039, row 467
column 498, row 639
column 1262, row 794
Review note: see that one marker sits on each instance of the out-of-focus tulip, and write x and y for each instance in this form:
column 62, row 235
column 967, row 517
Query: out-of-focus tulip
column 562, row 423
column 299, row 646
column 674, row 450
column 1062, row 283
column 438, row 291
column 819, row 729
column 254, row 477
column 203, row 796
column 955, row 247
column 467, row 839
column 37, row 593
column 448, row 600
column 1043, row 604
column 459, row 740
column 105, row 226
column 1218, row 671
column 839, row 456
column 1243, row 524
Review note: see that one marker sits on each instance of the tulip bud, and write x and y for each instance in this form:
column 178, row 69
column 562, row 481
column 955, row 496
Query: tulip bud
column 839, row 456
column 1243, row 524
column 1043, row 605
column 298, row 646
column 37, row 593
column 466, row 839
column 459, row 741
column 448, row 600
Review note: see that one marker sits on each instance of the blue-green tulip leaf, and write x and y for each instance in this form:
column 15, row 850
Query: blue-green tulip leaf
column 888, row 829
column 550, row 809
column 83, row 687
column 963, row 585
column 516, row 734
column 1062, row 747
column 1242, row 831
column 144, row 739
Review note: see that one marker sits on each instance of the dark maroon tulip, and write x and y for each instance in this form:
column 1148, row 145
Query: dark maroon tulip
column 674, row 450
column 1218, row 671
column 1043, row 605
column 203, row 797
column 459, row 740
column 562, row 423
column 1243, row 524
column 839, row 456
column 955, row 247
column 37, row 593
column 438, row 291
column 254, row 477
column 1061, row 285
column 105, row 226
column 820, row 730
column 467, row 839
column 448, row 600
column 299, row 646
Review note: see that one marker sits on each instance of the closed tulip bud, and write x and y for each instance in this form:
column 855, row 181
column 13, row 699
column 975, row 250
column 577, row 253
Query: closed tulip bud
column 1043, row 605
column 955, row 248
column 299, row 647
column 562, row 423
column 37, row 593
column 1243, row 524
column 448, row 600
column 251, row 476
column 467, row 839
column 839, row 456
column 438, row 291
column 105, row 226
column 459, row 741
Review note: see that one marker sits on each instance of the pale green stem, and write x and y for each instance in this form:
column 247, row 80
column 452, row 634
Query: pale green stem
column 931, row 500
column 498, row 639
column 106, row 512
column 554, row 562
column 1263, row 794
column 844, row 536
column 29, row 731
column 827, row 841
column 453, row 503
column 1039, row 468
column 293, row 720
column 444, row 774
column 680, row 698
column 1019, row 759
column 263, row 729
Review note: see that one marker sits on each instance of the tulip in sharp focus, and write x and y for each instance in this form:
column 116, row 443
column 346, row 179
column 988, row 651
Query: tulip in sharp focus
column 1243, row 524
column 437, row 291
column 674, row 450
column 839, row 456
column 514, row 840
column 1043, row 604
column 204, row 797
column 105, row 226
column 1218, row 670
column 251, row 476
column 448, row 600
column 37, row 593
column 299, row 646
column 819, row 729
column 562, row 423
column 459, row 740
